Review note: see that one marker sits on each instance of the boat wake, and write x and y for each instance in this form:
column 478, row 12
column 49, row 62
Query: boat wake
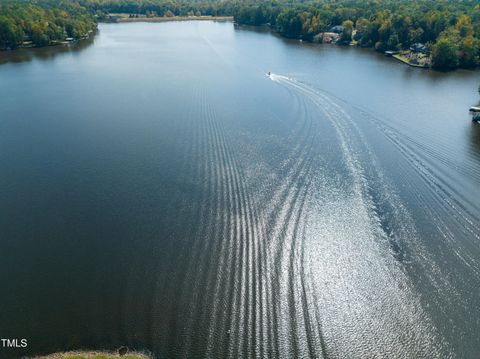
column 425, row 172
column 277, row 77
column 379, row 223
column 312, row 249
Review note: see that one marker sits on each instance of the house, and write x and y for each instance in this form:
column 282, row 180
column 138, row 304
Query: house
column 418, row 48
column 337, row 29
column 330, row 37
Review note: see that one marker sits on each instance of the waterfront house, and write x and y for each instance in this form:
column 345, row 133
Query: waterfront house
column 330, row 37
column 418, row 48
column 338, row 29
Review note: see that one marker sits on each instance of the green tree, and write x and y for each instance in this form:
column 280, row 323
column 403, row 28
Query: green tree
column 346, row 36
column 10, row 34
column 38, row 33
column 415, row 35
column 289, row 23
column 393, row 42
column 445, row 54
column 464, row 26
column 469, row 52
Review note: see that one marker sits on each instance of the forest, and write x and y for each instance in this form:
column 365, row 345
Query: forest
column 448, row 30
column 42, row 22
column 161, row 7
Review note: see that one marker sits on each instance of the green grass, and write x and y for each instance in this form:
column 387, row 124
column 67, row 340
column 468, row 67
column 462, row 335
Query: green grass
column 405, row 60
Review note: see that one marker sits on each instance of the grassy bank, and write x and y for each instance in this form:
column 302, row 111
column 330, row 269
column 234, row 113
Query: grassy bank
column 92, row 355
column 407, row 61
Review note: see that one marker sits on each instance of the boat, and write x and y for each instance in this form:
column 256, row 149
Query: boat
column 390, row 53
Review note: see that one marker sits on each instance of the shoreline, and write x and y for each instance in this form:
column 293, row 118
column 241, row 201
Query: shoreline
column 25, row 46
column 405, row 61
column 117, row 18
column 353, row 43
column 122, row 19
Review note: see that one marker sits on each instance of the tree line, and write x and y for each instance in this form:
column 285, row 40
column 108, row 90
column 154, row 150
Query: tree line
column 42, row 22
column 161, row 7
column 449, row 29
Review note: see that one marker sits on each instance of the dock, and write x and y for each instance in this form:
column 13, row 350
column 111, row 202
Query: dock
column 475, row 111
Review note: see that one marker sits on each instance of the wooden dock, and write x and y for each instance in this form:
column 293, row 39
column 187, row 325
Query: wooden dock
column 475, row 111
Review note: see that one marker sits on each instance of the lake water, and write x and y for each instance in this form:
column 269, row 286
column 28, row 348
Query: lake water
column 158, row 190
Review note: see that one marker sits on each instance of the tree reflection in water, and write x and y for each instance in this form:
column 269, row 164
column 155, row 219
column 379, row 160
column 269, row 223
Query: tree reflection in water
column 43, row 53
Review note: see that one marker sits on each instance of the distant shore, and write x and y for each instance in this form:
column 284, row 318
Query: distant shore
column 126, row 18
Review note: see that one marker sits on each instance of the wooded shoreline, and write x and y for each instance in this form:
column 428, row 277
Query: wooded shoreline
column 174, row 18
column 448, row 32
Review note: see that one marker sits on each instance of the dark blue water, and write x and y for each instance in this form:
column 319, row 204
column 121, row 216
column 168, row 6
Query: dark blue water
column 159, row 190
